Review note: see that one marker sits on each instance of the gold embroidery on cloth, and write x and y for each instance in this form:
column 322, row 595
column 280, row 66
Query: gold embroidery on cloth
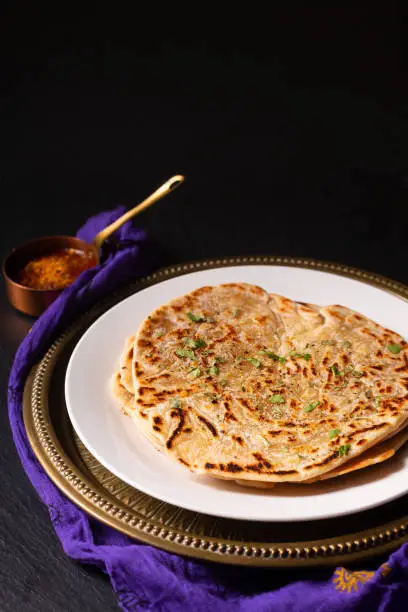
column 384, row 569
column 345, row 580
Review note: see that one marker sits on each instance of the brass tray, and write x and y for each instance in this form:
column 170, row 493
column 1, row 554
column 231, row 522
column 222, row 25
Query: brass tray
column 86, row 482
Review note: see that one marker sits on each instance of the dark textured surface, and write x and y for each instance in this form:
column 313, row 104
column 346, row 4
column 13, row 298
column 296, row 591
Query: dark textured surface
column 292, row 135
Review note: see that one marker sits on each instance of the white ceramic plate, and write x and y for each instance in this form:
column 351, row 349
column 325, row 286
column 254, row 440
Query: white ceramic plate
column 115, row 441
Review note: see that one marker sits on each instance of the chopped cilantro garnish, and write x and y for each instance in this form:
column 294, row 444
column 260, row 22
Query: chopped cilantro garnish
column 214, row 370
column 223, row 383
column 277, row 399
column 160, row 334
column 184, row 353
column 336, row 371
column 343, row 450
column 175, row 403
column 346, row 344
column 255, row 362
column 333, row 433
column 306, row 356
column 273, row 356
column 194, row 344
column 311, row 406
column 236, row 312
column 394, row 348
column 220, row 360
column 195, row 318
column 200, row 318
column 195, row 373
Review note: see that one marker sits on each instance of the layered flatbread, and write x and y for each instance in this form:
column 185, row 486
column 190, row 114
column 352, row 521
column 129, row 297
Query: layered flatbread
column 236, row 383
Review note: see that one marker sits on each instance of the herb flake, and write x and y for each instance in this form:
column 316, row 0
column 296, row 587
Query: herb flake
column 310, row 407
column 214, row 371
column 333, row 433
column 255, row 362
column 273, row 356
column 195, row 318
column 305, row 356
column 343, row 450
column 175, row 403
column 194, row 344
column 182, row 353
column 336, row 371
column 277, row 399
column 394, row 348
column 195, row 372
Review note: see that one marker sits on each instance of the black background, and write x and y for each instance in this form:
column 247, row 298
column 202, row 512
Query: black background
column 291, row 130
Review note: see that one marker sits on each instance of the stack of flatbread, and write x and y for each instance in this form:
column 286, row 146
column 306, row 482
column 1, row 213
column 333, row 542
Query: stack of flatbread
column 237, row 383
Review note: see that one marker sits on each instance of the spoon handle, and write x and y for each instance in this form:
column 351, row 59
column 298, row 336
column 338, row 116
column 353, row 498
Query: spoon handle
column 157, row 195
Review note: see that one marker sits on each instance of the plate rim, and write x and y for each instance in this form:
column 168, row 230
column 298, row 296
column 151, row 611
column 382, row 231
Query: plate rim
column 89, row 497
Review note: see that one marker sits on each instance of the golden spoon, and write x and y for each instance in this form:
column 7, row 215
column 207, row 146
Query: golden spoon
column 157, row 195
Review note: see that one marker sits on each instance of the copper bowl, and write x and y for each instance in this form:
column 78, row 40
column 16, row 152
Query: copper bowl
column 35, row 301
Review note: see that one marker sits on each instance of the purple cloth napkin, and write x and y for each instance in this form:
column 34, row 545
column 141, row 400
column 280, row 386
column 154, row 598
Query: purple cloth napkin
column 145, row 578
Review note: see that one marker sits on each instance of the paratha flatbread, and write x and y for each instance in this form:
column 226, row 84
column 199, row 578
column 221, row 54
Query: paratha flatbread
column 377, row 454
column 236, row 383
